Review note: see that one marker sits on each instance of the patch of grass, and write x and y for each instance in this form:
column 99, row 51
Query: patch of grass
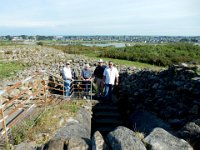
column 198, row 71
column 133, row 63
column 72, row 108
column 8, row 69
column 139, row 135
column 128, row 63
column 43, row 126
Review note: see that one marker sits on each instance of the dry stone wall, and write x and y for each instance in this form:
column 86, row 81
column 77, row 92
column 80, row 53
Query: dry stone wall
column 41, row 58
column 171, row 95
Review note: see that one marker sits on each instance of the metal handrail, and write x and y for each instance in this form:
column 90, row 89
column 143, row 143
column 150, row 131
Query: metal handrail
column 78, row 86
column 73, row 89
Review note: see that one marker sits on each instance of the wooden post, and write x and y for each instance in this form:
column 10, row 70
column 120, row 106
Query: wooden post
column 63, row 89
column 3, row 121
column 44, row 89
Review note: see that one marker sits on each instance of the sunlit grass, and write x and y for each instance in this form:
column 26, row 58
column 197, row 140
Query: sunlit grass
column 198, row 71
column 41, row 127
column 8, row 69
column 126, row 62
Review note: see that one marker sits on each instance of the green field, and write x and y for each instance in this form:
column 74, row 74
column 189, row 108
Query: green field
column 8, row 69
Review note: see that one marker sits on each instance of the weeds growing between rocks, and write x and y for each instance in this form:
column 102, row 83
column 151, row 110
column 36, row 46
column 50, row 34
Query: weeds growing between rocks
column 41, row 126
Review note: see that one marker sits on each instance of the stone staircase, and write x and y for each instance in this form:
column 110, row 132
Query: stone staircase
column 106, row 117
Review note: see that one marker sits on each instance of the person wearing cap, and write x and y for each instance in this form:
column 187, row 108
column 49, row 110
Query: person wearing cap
column 67, row 77
column 98, row 74
column 110, row 78
column 86, row 76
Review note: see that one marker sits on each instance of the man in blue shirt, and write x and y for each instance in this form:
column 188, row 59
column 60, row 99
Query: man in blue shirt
column 86, row 76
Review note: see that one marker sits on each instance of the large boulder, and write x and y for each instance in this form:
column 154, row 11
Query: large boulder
column 123, row 138
column 159, row 139
column 69, row 143
column 191, row 133
column 26, row 146
column 79, row 127
column 98, row 142
column 144, row 121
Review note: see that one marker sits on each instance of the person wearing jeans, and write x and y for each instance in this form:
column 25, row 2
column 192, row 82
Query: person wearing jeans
column 110, row 78
column 67, row 77
column 67, row 84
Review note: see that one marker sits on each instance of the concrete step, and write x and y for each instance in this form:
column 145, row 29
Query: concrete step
column 105, row 129
column 105, row 107
column 113, row 121
column 106, row 117
column 107, row 114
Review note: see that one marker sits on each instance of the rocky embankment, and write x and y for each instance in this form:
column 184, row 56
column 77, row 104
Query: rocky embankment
column 163, row 105
column 37, row 58
column 169, row 99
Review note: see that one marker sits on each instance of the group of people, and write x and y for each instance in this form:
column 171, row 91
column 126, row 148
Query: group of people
column 104, row 77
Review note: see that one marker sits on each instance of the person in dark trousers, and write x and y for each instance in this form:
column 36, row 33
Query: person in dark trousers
column 111, row 78
column 98, row 74
column 86, row 76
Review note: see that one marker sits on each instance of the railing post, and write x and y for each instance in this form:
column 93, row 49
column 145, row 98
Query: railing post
column 44, row 89
column 91, row 91
column 63, row 89
column 3, row 120
column 72, row 88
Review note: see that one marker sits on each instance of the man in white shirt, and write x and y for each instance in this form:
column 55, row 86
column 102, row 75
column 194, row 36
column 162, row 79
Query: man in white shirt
column 110, row 78
column 67, row 77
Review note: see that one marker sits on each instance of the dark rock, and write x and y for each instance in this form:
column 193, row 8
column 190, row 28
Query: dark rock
column 159, row 139
column 57, row 144
column 80, row 127
column 77, row 143
column 72, row 129
column 98, row 142
column 123, row 138
column 26, row 146
column 191, row 133
column 76, row 133
column 176, row 123
column 195, row 109
column 145, row 122
column 171, row 94
column 84, row 118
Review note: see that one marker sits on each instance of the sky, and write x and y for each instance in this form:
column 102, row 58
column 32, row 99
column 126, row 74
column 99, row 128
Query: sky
column 100, row 17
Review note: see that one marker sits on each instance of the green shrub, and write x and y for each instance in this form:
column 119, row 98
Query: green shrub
column 160, row 55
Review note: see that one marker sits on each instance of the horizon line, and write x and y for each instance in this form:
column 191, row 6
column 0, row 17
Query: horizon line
column 104, row 35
